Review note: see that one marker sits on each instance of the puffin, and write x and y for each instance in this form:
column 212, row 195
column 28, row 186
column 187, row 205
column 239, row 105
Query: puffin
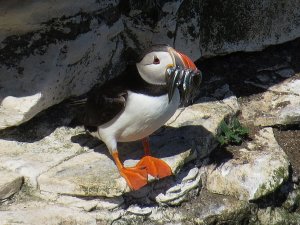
column 138, row 102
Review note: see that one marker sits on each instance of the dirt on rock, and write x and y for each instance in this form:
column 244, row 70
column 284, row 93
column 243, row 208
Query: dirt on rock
column 289, row 140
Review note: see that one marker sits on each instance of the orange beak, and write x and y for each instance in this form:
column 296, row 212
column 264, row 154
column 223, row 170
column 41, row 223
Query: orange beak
column 182, row 74
column 188, row 63
column 181, row 60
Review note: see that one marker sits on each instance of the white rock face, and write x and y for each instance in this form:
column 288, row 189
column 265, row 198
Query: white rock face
column 10, row 183
column 256, row 171
column 281, row 104
column 60, row 161
column 52, row 50
column 36, row 213
column 178, row 193
column 32, row 159
column 201, row 211
column 96, row 175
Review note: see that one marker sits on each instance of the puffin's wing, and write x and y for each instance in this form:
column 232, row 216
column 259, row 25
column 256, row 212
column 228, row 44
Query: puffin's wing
column 103, row 104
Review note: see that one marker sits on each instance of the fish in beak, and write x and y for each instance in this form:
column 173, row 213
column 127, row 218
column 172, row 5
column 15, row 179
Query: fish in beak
column 183, row 75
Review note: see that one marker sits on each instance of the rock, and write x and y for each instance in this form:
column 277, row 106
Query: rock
column 10, row 183
column 59, row 160
column 178, row 193
column 204, row 118
column 32, row 159
column 62, row 52
column 207, row 209
column 190, row 132
column 86, row 203
column 253, row 172
column 281, row 104
column 36, row 213
column 53, row 50
column 286, row 72
column 136, row 210
column 292, row 201
column 96, row 175
column 274, row 216
column 109, row 217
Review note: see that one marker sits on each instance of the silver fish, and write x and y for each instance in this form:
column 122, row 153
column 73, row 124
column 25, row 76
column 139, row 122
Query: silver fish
column 186, row 80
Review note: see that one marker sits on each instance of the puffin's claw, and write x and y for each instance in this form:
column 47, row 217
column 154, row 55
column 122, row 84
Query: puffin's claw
column 155, row 167
column 135, row 177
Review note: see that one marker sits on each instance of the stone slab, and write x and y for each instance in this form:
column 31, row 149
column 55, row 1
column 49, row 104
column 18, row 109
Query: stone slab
column 188, row 134
column 257, row 170
column 281, row 104
column 36, row 213
column 30, row 159
column 10, row 183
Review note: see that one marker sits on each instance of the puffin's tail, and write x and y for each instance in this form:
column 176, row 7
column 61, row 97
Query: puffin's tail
column 77, row 107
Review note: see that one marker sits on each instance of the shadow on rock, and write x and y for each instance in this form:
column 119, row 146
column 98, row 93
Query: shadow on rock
column 252, row 72
column 166, row 142
column 176, row 146
column 220, row 156
column 41, row 126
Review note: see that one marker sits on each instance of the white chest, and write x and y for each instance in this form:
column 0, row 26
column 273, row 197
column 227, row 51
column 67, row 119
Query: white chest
column 141, row 117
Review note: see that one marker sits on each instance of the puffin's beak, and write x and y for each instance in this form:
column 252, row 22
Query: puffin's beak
column 187, row 62
column 182, row 74
column 181, row 60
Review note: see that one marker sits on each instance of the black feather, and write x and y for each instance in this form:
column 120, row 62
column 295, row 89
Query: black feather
column 107, row 101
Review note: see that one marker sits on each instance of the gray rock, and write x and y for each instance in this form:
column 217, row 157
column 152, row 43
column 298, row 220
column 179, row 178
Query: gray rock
column 87, row 204
column 10, row 183
column 36, row 213
column 57, row 160
column 97, row 174
column 47, row 68
column 274, row 216
column 32, row 159
column 136, row 210
column 257, row 170
column 179, row 192
column 292, row 201
column 204, row 119
column 207, row 210
column 281, row 105
column 286, row 72
column 53, row 50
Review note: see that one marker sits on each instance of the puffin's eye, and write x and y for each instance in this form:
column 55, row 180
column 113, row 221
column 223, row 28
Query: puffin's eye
column 156, row 60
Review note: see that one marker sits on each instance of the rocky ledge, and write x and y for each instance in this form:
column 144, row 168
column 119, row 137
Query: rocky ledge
column 53, row 171
column 66, row 175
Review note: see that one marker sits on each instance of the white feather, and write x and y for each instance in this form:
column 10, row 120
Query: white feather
column 155, row 73
column 142, row 116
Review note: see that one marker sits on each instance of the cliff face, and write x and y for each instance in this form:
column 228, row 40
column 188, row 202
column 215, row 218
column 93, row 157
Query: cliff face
column 52, row 50
column 51, row 170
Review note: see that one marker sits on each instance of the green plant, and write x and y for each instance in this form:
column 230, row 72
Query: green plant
column 232, row 132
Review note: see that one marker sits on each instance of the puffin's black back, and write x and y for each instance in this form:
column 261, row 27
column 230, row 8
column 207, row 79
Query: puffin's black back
column 106, row 101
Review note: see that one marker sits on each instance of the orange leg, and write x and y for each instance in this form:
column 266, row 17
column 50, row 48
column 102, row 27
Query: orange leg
column 136, row 177
column 146, row 145
column 155, row 167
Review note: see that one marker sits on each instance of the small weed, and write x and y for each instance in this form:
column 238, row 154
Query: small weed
column 232, row 132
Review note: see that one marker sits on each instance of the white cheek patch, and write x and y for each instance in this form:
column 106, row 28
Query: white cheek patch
column 155, row 73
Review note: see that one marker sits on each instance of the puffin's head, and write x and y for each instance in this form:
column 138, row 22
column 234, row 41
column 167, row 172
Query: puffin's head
column 158, row 59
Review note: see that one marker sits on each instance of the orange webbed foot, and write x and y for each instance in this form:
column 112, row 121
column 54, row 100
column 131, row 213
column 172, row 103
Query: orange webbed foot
column 135, row 177
column 155, row 167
